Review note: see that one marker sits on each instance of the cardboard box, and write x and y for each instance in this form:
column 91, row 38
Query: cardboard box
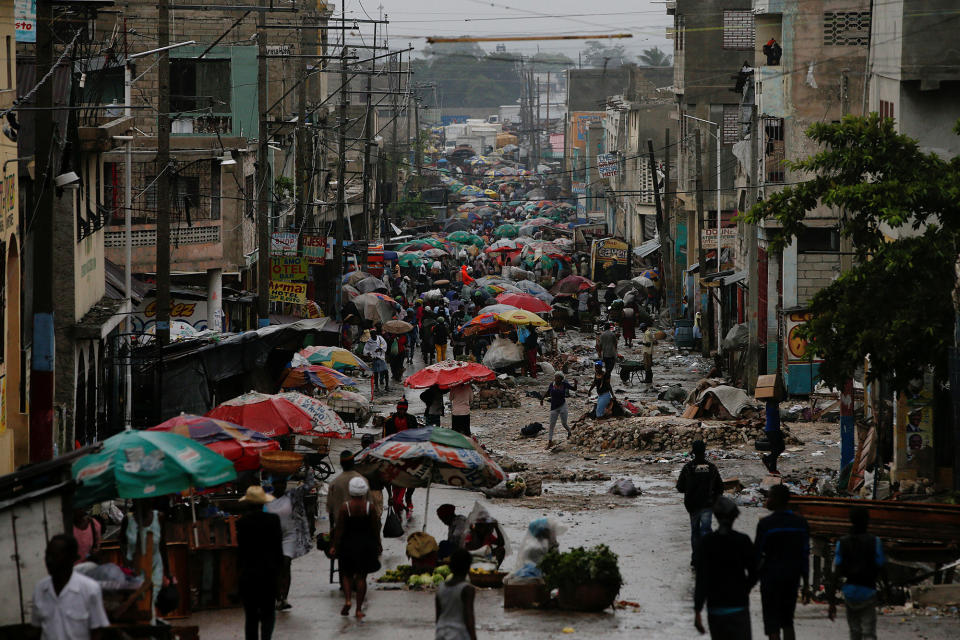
column 768, row 386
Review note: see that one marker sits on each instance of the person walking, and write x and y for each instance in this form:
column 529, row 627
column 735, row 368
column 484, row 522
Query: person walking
column 460, row 398
column 628, row 324
column 376, row 349
column 530, row 346
column 700, row 484
column 783, row 550
column 289, row 506
column 859, row 561
column 647, row 340
column 260, row 560
column 427, row 349
column 356, row 545
column 433, row 399
column 774, row 433
column 337, row 494
column 397, row 353
column 454, row 602
column 67, row 605
column 440, row 336
column 607, row 348
column 726, row 571
column 558, row 392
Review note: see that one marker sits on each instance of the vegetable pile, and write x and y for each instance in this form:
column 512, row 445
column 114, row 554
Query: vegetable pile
column 404, row 573
column 582, row 566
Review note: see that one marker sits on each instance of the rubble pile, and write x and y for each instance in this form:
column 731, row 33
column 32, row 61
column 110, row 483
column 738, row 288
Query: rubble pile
column 494, row 395
column 665, row 433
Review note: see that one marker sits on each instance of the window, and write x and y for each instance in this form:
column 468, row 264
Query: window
column 200, row 85
column 250, row 196
column 774, row 155
column 184, row 194
column 886, row 110
column 681, row 32
column 738, row 30
column 731, row 123
column 846, row 28
column 818, row 240
column 113, row 192
column 215, row 189
column 9, row 51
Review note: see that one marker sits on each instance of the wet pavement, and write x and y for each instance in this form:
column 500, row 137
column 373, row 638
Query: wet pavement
column 650, row 533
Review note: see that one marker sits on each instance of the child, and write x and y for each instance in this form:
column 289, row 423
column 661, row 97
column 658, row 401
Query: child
column 455, row 598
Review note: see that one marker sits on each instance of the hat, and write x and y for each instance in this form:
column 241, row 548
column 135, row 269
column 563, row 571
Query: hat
column 346, row 455
column 256, row 495
column 358, row 487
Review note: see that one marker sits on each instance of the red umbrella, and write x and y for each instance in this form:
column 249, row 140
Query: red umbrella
column 281, row 414
column 240, row 445
column 449, row 373
column 572, row 284
column 524, row 301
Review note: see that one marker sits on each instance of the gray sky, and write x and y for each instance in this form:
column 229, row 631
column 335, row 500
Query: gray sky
column 412, row 20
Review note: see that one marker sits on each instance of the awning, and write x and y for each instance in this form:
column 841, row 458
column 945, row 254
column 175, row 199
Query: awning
column 646, row 248
column 739, row 276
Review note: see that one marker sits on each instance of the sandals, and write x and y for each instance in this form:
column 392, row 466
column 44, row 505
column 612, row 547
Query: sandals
column 345, row 610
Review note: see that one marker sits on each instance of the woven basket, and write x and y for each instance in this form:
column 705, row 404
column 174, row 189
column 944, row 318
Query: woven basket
column 285, row 462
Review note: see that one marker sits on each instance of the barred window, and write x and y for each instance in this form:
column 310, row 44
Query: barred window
column 731, row 123
column 774, row 150
column 846, row 28
column 738, row 30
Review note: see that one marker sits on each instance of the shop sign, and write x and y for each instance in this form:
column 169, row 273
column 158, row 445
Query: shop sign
column 728, row 237
column 607, row 165
column 288, row 269
column 288, row 292
column 314, row 249
column 283, row 243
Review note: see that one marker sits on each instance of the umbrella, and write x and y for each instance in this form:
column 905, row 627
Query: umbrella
column 506, row 231
column 466, row 206
column 537, row 222
column 521, row 317
column 397, row 326
column 456, row 225
column 532, row 288
column 317, row 375
column 643, row 282
column 375, row 306
column 461, row 237
column 179, row 330
column 282, row 413
column 483, row 323
column 524, row 301
column 146, row 464
column 419, row 457
column 449, row 373
column 409, row 260
column 370, row 284
column 433, row 252
column 350, row 292
column 572, row 284
column 238, row 444
column 501, row 245
column 651, row 274
column 354, row 277
column 334, row 357
column 498, row 308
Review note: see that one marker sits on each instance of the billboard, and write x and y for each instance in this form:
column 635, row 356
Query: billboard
column 289, row 292
column 580, row 122
column 607, row 165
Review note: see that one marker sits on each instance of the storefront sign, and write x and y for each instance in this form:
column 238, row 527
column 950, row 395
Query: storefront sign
column 25, row 20
column 283, row 243
column 607, row 165
column 314, row 249
column 289, row 292
column 580, row 122
column 797, row 347
column 288, row 269
column 914, row 429
column 728, row 237
column 611, row 250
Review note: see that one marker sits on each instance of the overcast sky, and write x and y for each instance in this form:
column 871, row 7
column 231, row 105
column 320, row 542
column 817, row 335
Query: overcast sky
column 412, row 20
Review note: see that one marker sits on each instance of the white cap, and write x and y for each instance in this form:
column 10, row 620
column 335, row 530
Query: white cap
column 358, row 487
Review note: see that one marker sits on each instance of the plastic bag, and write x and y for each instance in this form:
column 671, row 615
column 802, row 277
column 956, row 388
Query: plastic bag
column 392, row 526
column 541, row 537
column 503, row 353
column 624, row 487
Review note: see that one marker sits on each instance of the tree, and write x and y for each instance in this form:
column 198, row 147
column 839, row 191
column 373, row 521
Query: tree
column 654, row 58
column 598, row 54
column 543, row 61
column 895, row 305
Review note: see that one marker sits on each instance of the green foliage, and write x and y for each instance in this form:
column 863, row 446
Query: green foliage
column 581, row 566
column 411, row 208
column 654, row 58
column 283, row 187
column 901, row 210
column 467, row 76
column 598, row 54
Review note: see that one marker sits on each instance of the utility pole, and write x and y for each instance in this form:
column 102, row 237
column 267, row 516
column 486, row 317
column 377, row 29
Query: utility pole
column 417, row 149
column 371, row 233
column 263, row 177
column 673, row 288
column 301, row 135
column 341, row 173
column 706, row 329
column 395, row 155
column 753, row 281
column 662, row 223
column 44, row 340
column 163, row 178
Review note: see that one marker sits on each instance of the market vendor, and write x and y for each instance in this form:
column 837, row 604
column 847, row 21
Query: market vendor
column 456, row 530
column 485, row 539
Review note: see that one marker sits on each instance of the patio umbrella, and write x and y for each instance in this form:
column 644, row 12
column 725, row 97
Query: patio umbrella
column 316, row 375
column 572, row 285
column 375, row 306
column 397, row 326
column 521, row 317
column 497, row 308
column 456, row 225
column 354, row 277
column 420, row 457
column 409, row 260
column 281, row 414
column 651, row 274
column 502, row 245
column 434, row 252
column 506, row 231
column 350, row 292
column 334, row 357
column 532, row 288
column 237, row 444
column 146, row 464
column 483, row 323
column 461, row 237
column 368, row 285
column 449, row 373
column 524, row 301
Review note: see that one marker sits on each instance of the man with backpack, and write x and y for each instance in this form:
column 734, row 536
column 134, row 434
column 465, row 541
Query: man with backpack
column 859, row 561
column 397, row 353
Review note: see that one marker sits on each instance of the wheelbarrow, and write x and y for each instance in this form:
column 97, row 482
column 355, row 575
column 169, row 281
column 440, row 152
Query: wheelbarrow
column 630, row 368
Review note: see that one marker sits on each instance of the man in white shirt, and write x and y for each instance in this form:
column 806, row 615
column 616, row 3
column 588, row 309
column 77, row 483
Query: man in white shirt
column 376, row 349
column 67, row 605
column 460, row 397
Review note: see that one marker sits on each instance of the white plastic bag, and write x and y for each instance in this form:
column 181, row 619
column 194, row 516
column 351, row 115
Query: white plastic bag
column 503, row 353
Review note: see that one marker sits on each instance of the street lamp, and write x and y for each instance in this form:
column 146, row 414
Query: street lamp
column 717, row 136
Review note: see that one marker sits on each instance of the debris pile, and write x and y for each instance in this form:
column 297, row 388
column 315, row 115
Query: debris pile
column 494, row 395
column 665, row 433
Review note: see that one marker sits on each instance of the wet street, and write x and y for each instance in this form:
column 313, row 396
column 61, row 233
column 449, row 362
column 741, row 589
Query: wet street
column 650, row 533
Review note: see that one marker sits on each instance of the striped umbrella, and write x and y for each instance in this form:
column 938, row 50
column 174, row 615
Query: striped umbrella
column 316, row 375
column 334, row 357
column 238, row 444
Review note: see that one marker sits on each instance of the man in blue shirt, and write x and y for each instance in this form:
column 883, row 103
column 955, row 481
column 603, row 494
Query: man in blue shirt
column 859, row 561
column 558, row 391
column 774, row 435
column 783, row 552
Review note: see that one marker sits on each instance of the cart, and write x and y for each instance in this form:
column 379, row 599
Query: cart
column 316, row 456
column 629, row 369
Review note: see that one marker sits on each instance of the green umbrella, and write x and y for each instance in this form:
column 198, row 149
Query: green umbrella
column 461, row 237
column 409, row 260
column 147, row 464
column 506, row 231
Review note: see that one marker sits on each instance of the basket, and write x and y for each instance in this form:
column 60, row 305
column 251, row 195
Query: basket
column 487, row 580
column 285, row 462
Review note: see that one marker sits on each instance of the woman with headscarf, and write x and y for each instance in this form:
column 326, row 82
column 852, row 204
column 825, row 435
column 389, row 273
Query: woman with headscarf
column 356, row 544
